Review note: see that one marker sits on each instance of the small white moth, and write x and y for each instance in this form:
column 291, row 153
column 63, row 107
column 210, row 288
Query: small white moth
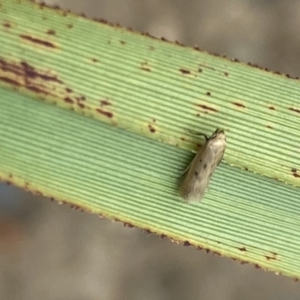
column 202, row 167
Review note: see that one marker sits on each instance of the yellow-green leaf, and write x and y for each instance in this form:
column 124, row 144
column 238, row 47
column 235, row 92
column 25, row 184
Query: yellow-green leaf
column 99, row 116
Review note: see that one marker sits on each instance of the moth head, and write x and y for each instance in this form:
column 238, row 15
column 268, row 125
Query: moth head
column 218, row 132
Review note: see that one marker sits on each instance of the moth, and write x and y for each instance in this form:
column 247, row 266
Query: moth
column 203, row 165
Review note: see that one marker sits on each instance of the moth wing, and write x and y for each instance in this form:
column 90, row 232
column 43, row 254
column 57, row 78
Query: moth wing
column 197, row 178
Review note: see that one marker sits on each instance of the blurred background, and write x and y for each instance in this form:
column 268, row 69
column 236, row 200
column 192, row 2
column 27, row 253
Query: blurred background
column 49, row 251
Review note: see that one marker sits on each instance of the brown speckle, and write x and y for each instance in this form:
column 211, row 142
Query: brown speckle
column 196, row 174
column 105, row 113
column 32, row 73
column 51, row 32
column 296, row 175
column 270, row 127
column 81, row 105
column 70, row 25
column 68, row 90
column 208, row 93
column 37, row 41
column 243, row 249
column 81, row 98
column 184, row 71
column 226, row 73
column 239, row 104
column 294, row 170
column 68, row 100
column 122, row 42
column 270, row 257
column 9, row 81
column 95, row 60
column 271, row 107
column 7, row 25
column 151, row 128
column 295, row 109
column 205, row 166
column 200, row 70
column 36, row 89
column 104, row 103
column 207, row 107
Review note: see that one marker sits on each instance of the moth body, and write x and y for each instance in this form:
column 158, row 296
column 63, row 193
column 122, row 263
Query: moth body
column 202, row 167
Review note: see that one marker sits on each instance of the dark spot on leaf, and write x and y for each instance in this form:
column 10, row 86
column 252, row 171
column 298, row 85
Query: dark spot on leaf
column 7, row 25
column 105, row 113
column 226, row 73
column 270, row 257
column 272, row 107
column 68, row 100
column 269, row 126
column 151, row 128
column 81, row 98
column 206, row 107
column 295, row 110
column 104, row 103
column 122, row 42
column 70, row 25
column 36, row 89
column 196, row 174
column 243, row 249
column 95, row 60
column 200, row 70
column 205, row 165
column 51, row 32
column 294, row 170
column 186, row 243
column 32, row 73
column 296, row 175
column 68, row 90
column 9, row 81
column 37, row 41
column 184, row 71
column 239, row 104
column 208, row 93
